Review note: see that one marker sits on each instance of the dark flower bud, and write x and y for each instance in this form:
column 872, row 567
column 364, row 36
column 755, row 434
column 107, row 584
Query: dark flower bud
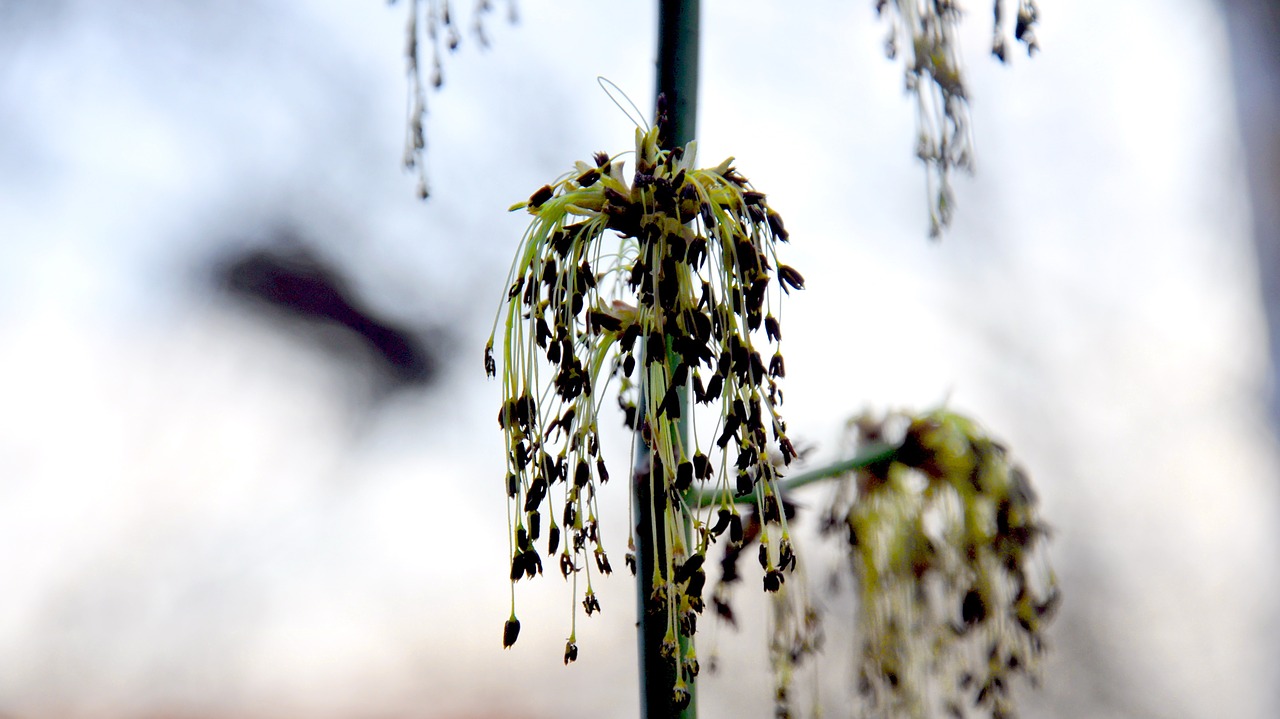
column 771, row 328
column 532, row 563
column 510, row 632
column 757, row 366
column 714, row 386
column 773, row 580
column 724, row 362
column 586, row 276
column 722, row 522
column 772, row 512
column 776, row 226
column 1024, row 22
column 776, row 366
column 562, row 241
column 553, row 539
column 688, row 567
column 735, row 529
column 590, row 603
column 701, row 466
column 655, row 348
column 748, row 261
column 786, row 555
column 603, row 320
column 731, row 425
column 537, row 491
column 535, row 525
column 602, row 562
column 788, row 449
column 670, row 406
column 629, row 336
column 541, row 196
column 566, row 564
column 697, row 252
column 684, row 476
column 630, row 560
column 973, row 609
column 681, row 375
column 788, row 276
column 601, row 470
column 696, row 583
column 570, row 652
column 549, row 272
column 551, row 469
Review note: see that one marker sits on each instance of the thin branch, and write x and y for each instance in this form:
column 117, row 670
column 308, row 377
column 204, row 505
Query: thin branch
column 865, row 457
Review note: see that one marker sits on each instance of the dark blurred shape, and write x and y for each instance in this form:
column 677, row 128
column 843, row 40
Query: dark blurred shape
column 1253, row 33
column 1253, row 27
column 302, row 287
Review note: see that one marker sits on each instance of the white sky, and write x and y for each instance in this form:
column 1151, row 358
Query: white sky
column 198, row 514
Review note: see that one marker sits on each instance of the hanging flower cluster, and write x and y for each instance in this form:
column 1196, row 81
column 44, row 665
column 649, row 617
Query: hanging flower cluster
column 666, row 283
column 437, row 21
column 795, row 627
column 945, row 545
column 927, row 29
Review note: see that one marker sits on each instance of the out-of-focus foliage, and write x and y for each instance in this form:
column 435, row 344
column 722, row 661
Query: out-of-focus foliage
column 924, row 33
column 946, row 547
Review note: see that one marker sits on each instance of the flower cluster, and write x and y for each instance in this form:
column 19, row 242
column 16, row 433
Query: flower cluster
column 944, row 541
column 666, row 284
column 442, row 32
column 927, row 29
column 1023, row 28
column 795, row 628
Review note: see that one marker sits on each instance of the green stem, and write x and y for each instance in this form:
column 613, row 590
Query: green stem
column 677, row 82
column 868, row 456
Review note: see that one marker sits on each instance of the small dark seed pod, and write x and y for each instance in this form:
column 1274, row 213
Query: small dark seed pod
column 790, row 278
column 543, row 194
column 722, row 522
column 510, row 632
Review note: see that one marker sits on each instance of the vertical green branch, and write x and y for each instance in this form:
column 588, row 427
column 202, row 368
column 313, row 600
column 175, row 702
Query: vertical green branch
column 677, row 86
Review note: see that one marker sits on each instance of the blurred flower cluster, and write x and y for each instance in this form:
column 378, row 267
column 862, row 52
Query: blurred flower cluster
column 924, row 31
column 436, row 20
column 946, row 546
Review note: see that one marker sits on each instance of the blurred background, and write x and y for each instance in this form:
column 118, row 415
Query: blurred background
column 248, row 463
